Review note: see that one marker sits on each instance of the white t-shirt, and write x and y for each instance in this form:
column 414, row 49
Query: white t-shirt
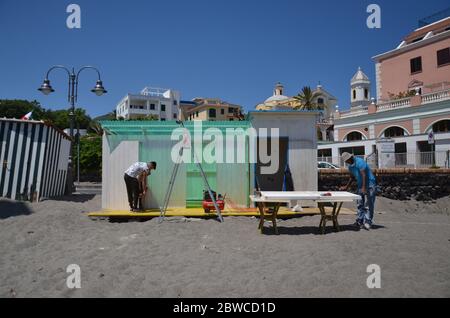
column 136, row 169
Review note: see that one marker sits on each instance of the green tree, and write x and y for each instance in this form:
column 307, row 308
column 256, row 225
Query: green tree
column 16, row 108
column 96, row 128
column 60, row 118
column 109, row 116
column 90, row 155
column 147, row 117
column 308, row 100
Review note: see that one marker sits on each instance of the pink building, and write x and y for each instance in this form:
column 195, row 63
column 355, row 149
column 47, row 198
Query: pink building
column 413, row 100
column 421, row 62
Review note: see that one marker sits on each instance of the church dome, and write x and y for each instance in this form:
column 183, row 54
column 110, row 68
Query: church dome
column 277, row 94
column 276, row 98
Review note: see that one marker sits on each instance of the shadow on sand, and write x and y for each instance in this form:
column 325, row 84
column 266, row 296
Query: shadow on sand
column 13, row 208
column 79, row 198
column 308, row 230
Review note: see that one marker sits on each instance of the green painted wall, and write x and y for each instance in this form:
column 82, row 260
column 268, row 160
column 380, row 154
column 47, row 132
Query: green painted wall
column 155, row 144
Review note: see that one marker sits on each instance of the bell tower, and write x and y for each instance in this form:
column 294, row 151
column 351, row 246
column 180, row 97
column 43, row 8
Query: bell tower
column 360, row 89
column 278, row 90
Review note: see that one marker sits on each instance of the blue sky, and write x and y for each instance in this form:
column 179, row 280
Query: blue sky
column 232, row 49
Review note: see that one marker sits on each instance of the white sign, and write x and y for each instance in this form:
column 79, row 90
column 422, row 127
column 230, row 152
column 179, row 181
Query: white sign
column 431, row 138
column 386, row 145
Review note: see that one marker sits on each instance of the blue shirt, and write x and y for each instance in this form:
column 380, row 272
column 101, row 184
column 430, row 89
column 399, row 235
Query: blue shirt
column 355, row 169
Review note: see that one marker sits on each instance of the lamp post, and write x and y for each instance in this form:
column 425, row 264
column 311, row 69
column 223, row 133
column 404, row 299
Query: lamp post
column 72, row 97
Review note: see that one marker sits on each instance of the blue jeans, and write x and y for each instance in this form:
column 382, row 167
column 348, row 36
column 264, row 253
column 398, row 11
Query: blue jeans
column 366, row 205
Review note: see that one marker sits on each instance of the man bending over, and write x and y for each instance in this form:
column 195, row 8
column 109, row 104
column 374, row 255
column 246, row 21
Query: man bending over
column 366, row 189
column 136, row 182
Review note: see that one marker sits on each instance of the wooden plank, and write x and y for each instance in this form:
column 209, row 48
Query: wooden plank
column 284, row 212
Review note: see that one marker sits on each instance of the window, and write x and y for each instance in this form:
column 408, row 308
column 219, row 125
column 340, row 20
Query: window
column 394, row 132
column 163, row 107
column 230, row 110
column 443, row 57
column 354, row 94
column 416, row 65
column 196, row 114
column 356, row 151
column 163, row 119
column 212, row 113
column 320, row 101
column 152, row 106
column 222, row 111
column 324, row 152
column 174, row 116
column 175, row 102
column 354, row 136
column 366, row 94
column 442, row 126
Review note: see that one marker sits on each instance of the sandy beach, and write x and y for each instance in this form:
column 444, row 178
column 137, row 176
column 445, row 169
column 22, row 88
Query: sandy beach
column 204, row 258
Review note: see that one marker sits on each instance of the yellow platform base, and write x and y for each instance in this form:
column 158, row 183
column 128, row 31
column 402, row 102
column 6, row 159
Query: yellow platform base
column 198, row 212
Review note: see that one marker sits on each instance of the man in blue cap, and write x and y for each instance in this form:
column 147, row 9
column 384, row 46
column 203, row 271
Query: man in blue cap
column 367, row 189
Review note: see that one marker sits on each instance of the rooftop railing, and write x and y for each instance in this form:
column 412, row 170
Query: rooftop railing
column 436, row 97
column 354, row 113
column 428, row 98
column 393, row 104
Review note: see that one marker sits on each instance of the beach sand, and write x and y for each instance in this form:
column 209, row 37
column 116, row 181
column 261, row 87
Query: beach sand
column 204, row 258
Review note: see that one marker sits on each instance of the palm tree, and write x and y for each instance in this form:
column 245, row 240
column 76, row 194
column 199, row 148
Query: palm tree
column 308, row 100
column 96, row 128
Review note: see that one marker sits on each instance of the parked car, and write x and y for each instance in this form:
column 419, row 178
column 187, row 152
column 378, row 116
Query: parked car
column 326, row 165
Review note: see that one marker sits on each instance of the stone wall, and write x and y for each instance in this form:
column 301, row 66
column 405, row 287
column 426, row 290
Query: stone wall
column 397, row 184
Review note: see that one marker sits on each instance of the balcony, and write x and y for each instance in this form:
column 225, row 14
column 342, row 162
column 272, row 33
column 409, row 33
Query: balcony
column 436, row 97
column 417, row 100
column 354, row 113
column 394, row 104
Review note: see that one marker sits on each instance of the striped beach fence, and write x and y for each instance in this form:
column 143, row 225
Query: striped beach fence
column 34, row 160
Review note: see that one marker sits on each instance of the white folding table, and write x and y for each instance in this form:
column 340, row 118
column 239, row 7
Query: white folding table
column 269, row 202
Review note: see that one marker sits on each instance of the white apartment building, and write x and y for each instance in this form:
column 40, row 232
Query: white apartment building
column 161, row 103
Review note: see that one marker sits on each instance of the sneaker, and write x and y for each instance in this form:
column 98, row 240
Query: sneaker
column 358, row 225
column 367, row 226
column 297, row 208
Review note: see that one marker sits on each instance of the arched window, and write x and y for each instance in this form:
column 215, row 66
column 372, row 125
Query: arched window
column 320, row 101
column 354, row 136
column 366, row 93
column 442, row 126
column 394, row 132
column 354, row 94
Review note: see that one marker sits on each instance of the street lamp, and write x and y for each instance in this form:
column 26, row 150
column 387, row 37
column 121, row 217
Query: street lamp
column 72, row 97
